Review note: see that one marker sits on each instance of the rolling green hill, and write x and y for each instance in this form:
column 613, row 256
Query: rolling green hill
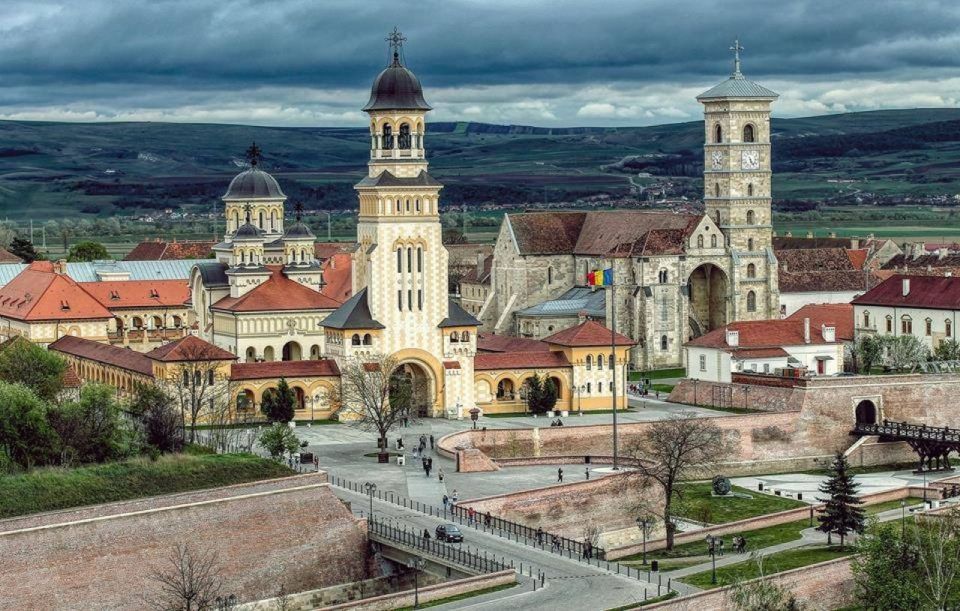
column 49, row 170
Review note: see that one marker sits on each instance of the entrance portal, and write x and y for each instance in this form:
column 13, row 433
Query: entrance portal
column 411, row 382
column 866, row 412
column 707, row 294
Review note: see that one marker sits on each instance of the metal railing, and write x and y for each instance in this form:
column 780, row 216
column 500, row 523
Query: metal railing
column 906, row 430
column 461, row 555
column 485, row 523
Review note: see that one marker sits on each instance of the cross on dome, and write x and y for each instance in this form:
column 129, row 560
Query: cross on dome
column 254, row 154
column 247, row 208
column 298, row 209
column 736, row 48
column 395, row 39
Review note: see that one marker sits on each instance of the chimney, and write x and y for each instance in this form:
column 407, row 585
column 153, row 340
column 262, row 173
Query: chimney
column 789, row 234
column 733, row 338
column 833, row 234
column 60, row 266
column 806, row 330
column 941, row 253
column 480, row 259
column 829, row 333
column 906, row 286
column 809, row 234
column 855, row 243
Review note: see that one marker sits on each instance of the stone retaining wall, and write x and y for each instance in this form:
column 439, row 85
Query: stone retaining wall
column 825, row 585
column 292, row 531
column 429, row 593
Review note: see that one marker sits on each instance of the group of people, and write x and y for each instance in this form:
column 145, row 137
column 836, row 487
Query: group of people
column 641, row 390
column 716, row 545
column 449, row 502
column 557, row 422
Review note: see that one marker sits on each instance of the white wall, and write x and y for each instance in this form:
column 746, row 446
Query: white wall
column 791, row 302
column 718, row 365
column 918, row 316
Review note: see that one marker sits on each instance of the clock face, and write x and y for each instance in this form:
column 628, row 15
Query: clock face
column 750, row 160
column 717, row 160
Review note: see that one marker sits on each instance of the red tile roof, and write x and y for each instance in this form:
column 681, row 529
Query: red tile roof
column 476, row 275
column 520, row 360
column 589, row 333
column 338, row 277
column 70, row 378
column 139, row 293
column 189, row 348
column 760, row 353
column 325, row 250
column 759, row 334
column 124, row 358
column 934, row 292
column 491, row 342
column 278, row 293
column 8, row 257
column 39, row 293
column 284, row 369
column 158, row 250
column 858, row 256
column 837, row 315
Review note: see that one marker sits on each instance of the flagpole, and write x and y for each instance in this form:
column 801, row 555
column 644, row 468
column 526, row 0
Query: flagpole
column 613, row 353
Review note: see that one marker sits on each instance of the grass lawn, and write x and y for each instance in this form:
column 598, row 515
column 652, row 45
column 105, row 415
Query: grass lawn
column 888, row 505
column 450, row 599
column 773, row 563
column 665, row 388
column 658, row 374
column 698, row 504
column 256, row 423
column 643, row 603
column 56, row 488
column 756, row 539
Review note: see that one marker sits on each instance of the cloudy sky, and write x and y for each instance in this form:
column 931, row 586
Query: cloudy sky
column 536, row 62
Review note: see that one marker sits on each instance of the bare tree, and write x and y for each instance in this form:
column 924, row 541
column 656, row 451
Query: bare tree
column 937, row 544
column 189, row 581
column 373, row 397
column 670, row 450
column 762, row 594
column 198, row 384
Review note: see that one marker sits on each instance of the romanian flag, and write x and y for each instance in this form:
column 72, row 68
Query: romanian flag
column 600, row 277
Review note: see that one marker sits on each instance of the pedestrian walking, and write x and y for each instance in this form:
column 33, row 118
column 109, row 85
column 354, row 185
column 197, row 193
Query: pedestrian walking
column 486, row 519
column 454, row 498
column 587, row 472
column 431, row 441
column 446, row 501
column 539, row 536
column 560, row 474
column 555, row 543
column 426, row 533
column 440, row 474
column 471, row 516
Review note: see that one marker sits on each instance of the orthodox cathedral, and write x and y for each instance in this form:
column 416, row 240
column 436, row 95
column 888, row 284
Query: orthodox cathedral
column 262, row 297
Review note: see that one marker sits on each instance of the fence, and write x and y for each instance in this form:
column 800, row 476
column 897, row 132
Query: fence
column 464, row 557
column 484, row 522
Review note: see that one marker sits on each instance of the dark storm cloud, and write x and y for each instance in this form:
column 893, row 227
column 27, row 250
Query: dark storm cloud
column 112, row 57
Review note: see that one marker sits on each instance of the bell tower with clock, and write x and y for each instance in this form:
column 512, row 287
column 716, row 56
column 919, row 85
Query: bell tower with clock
column 736, row 182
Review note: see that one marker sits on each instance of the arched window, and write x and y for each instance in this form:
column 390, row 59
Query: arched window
column 549, row 275
column 718, row 133
column 750, row 217
column 419, row 259
column 663, row 276
column 210, row 377
column 416, row 205
column 454, row 337
column 748, row 133
column 589, row 389
column 866, row 412
column 751, row 301
column 367, row 339
column 261, row 225
column 599, row 362
column 403, row 138
column 750, row 244
column 866, row 320
column 928, row 327
column 906, row 325
column 750, row 190
column 186, row 378
column 409, row 259
column 355, row 340
column 699, row 241
column 408, row 206
column 716, row 189
column 387, row 137
column 948, row 328
column 751, row 270
column 505, row 390
column 889, row 324
column 713, row 241
column 664, row 342
column 398, row 206
column 589, row 362
column 399, row 260
column 465, row 336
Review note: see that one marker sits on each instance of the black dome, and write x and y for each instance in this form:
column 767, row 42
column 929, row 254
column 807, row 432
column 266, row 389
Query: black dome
column 298, row 230
column 396, row 88
column 253, row 184
column 247, row 231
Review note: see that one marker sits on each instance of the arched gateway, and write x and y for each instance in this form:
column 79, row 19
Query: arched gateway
column 707, row 297
column 414, row 381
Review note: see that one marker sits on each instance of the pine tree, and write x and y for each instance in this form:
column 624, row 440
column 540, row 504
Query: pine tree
column 842, row 513
column 279, row 405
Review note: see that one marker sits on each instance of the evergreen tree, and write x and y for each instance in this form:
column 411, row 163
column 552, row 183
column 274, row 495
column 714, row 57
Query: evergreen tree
column 279, row 405
column 842, row 513
column 24, row 249
column 541, row 394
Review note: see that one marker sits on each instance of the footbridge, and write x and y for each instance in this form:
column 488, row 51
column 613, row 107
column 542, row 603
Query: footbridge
column 932, row 444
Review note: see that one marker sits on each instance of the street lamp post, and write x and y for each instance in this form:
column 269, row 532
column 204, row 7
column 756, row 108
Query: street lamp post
column 644, row 523
column 371, row 489
column 903, row 519
column 712, row 542
column 417, row 564
column 580, row 399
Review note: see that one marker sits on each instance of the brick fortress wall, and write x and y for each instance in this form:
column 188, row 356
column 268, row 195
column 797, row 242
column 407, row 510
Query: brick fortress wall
column 292, row 531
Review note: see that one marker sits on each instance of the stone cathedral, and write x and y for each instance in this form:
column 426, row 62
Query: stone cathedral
column 677, row 276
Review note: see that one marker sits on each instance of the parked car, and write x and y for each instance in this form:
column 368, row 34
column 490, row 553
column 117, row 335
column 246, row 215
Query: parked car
column 449, row 533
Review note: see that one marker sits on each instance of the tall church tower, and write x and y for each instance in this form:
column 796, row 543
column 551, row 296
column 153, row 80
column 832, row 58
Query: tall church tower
column 736, row 183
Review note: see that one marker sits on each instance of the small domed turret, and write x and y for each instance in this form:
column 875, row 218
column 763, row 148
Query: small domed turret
column 396, row 88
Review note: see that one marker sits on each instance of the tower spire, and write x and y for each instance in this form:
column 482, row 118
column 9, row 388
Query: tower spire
column 395, row 39
column 247, row 208
column 736, row 48
column 254, row 155
column 298, row 210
